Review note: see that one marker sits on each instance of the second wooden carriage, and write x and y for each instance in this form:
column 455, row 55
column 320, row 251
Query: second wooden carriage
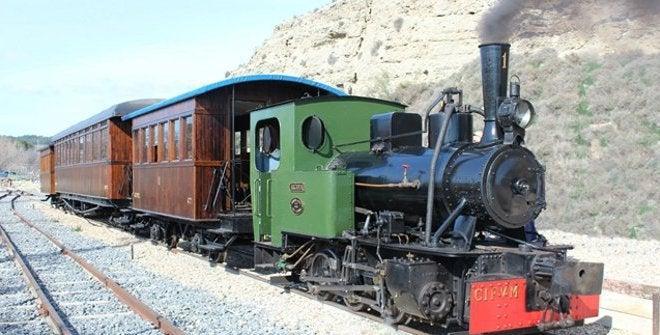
column 93, row 158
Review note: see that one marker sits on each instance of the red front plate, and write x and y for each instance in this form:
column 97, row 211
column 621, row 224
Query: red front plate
column 499, row 305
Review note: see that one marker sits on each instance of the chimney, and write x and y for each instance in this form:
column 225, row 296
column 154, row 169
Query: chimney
column 494, row 72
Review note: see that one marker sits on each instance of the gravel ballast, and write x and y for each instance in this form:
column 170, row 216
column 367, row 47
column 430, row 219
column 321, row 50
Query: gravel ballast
column 83, row 302
column 18, row 308
column 633, row 261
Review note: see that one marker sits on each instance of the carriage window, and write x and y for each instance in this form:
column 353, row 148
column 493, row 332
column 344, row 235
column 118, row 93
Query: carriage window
column 188, row 134
column 177, row 134
column 237, row 143
column 81, row 149
column 136, row 147
column 268, row 145
column 155, row 142
column 89, row 146
column 166, row 133
column 145, row 146
column 104, row 144
column 97, row 145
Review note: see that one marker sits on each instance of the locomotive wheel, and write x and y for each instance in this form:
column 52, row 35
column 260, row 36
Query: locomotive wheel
column 354, row 304
column 217, row 257
column 321, row 266
column 394, row 316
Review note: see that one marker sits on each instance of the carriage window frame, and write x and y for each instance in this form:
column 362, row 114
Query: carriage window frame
column 176, row 143
column 155, row 143
column 81, row 149
column 89, row 145
column 189, row 130
column 96, row 148
column 135, row 135
column 146, row 140
column 165, row 141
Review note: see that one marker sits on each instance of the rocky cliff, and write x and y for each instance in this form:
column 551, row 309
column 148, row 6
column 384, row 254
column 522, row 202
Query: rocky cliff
column 590, row 67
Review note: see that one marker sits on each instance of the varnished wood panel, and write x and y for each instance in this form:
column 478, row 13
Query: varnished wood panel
column 179, row 109
column 84, row 179
column 47, row 171
column 165, row 188
column 120, row 186
column 121, row 142
column 211, row 137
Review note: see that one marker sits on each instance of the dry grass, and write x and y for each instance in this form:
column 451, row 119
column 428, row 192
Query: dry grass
column 597, row 132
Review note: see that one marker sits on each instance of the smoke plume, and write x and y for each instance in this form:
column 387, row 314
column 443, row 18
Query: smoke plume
column 504, row 20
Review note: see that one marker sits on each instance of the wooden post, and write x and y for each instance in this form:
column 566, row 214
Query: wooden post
column 656, row 313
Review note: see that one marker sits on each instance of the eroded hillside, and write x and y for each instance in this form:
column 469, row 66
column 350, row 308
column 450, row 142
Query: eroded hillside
column 591, row 68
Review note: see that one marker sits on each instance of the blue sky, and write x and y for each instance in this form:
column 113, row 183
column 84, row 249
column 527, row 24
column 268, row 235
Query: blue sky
column 62, row 61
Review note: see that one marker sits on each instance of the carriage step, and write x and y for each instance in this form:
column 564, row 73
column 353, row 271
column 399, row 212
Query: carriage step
column 212, row 247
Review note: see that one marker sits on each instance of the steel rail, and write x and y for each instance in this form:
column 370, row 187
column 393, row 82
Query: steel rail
column 46, row 309
column 137, row 306
column 255, row 276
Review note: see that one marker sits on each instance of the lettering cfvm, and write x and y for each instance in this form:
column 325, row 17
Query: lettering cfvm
column 495, row 292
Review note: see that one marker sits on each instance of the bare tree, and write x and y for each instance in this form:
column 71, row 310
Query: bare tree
column 15, row 158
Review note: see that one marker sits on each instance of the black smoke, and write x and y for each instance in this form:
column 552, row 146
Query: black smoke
column 505, row 19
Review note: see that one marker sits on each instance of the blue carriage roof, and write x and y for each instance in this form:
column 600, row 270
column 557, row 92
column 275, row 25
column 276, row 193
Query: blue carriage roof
column 235, row 81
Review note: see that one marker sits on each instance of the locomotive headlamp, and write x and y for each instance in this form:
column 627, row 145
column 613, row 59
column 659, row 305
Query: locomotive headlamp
column 514, row 111
column 523, row 115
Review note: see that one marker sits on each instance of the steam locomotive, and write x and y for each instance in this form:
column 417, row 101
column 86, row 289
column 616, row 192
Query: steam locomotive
column 431, row 234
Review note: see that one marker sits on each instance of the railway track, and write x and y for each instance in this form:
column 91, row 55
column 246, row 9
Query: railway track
column 278, row 282
column 74, row 296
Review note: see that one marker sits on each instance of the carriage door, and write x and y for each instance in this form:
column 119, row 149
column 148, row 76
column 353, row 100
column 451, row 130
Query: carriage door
column 267, row 161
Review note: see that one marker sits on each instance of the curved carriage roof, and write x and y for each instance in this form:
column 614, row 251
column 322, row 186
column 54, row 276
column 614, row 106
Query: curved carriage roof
column 117, row 110
column 330, row 90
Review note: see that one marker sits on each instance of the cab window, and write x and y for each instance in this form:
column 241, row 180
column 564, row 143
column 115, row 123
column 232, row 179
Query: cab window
column 267, row 139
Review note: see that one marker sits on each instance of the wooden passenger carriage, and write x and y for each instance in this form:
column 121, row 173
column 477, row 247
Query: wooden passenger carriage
column 92, row 159
column 190, row 153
